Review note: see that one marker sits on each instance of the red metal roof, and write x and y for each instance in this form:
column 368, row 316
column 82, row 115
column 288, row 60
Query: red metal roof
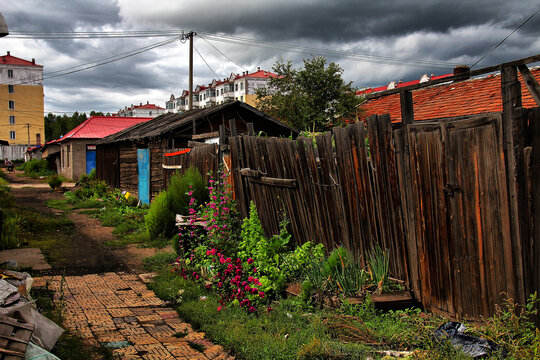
column 469, row 97
column 148, row 106
column 260, row 74
column 12, row 60
column 97, row 127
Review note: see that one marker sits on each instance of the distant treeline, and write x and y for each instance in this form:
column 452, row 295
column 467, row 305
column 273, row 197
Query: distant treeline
column 56, row 126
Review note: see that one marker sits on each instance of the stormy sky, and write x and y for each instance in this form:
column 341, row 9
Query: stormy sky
column 375, row 42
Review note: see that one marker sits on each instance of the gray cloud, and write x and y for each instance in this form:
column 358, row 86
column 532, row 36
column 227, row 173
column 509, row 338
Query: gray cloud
column 455, row 32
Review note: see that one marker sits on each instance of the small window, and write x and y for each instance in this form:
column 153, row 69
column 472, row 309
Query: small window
column 235, row 87
column 12, row 135
column 150, row 112
column 10, row 73
column 11, row 89
column 12, row 119
column 241, row 86
column 38, row 139
column 11, row 104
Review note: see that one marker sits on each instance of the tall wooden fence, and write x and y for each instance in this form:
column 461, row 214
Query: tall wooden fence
column 204, row 158
column 437, row 194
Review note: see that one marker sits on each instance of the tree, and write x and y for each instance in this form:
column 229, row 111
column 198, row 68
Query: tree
column 312, row 98
column 56, row 126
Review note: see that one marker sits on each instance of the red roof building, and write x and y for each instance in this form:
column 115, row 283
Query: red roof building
column 77, row 148
column 235, row 87
column 468, row 97
column 141, row 110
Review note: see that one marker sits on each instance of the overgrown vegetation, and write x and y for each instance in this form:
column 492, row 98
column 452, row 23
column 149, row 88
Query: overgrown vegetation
column 234, row 292
column 161, row 218
column 36, row 168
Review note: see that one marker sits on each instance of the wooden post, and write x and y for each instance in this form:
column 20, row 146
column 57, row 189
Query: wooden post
column 530, row 83
column 511, row 98
column 407, row 110
column 250, row 129
column 232, row 127
column 535, row 195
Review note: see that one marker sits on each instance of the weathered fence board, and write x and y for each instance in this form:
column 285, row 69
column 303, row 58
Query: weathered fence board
column 434, row 193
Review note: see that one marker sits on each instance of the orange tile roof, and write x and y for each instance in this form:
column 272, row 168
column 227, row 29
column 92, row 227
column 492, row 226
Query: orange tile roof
column 469, row 97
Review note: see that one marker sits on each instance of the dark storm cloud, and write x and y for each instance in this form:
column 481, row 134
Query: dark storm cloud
column 57, row 16
column 341, row 20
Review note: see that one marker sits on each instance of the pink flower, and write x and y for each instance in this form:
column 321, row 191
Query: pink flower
column 269, row 309
column 219, row 308
column 261, row 294
column 219, row 285
column 250, row 279
column 250, row 261
column 251, row 309
column 222, row 260
column 254, row 270
column 247, row 288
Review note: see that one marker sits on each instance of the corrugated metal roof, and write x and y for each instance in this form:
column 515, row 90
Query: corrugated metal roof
column 97, row 127
column 175, row 122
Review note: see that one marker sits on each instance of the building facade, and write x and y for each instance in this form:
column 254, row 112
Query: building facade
column 141, row 110
column 235, row 87
column 21, row 101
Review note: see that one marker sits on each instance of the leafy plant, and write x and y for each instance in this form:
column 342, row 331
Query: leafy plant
column 160, row 219
column 182, row 184
column 54, row 182
column 379, row 263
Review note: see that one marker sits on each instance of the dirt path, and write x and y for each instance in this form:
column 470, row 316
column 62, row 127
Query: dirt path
column 86, row 252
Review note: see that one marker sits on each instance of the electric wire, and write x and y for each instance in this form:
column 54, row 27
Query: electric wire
column 212, row 70
column 507, row 36
column 219, row 51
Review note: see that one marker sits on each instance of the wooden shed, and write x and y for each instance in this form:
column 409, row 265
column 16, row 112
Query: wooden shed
column 133, row 159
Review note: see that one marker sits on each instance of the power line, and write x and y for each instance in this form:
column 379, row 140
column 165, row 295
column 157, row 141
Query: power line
column 219, row 51
column 238, row 41
column 212, row 70
column 96, row 63
column 507, row 36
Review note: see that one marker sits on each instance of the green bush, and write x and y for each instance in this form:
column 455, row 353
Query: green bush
column 180, row 186
column 36, row 168
column 54, row 182
column 160, row 220
column 11, row 230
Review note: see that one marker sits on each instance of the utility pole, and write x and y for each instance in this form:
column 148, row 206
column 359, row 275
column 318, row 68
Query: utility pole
column 28, row 128
column 190, row 99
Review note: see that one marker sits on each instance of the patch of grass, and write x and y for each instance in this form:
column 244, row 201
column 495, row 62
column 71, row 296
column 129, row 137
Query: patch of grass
column 60, row 204
column 91, row 212
column 180, row 334
column 196, row 346
column 159, row 261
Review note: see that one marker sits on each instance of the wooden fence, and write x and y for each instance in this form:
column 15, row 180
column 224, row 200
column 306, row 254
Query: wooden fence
column 436, row 194
column 204, row 158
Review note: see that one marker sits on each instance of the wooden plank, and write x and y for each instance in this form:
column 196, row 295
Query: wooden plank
column 193, row 144
column 530, row 83
column 275, row 181
column 535, row 199
column 250, row 173
column 208, row 135
column 511, row 97
column 407, row 110
column 250, row 129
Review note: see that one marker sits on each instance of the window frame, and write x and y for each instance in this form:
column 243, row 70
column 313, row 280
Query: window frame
column 12, row 135
column 11, row 89
column 11, row 105
column 11, row 119
column 10, row 73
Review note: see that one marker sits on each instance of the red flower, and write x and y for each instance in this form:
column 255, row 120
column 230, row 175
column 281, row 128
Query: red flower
column 261, row 294
column 250, row 261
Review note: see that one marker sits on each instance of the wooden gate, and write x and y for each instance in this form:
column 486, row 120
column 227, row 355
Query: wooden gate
column 460, row 210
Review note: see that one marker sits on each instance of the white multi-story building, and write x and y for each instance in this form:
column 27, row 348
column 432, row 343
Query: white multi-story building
column 141, row 110
column 235, row 87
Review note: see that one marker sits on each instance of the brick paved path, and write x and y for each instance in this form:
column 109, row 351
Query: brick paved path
column 117, row 310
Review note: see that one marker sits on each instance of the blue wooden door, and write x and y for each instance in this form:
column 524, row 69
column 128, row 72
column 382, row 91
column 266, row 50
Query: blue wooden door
column 90, row 160
column 143, row 165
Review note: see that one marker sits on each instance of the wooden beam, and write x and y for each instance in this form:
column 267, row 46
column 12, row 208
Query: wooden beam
column 205, row 135
column 511, row 97
column 195, row 143
column 250, row 173
column 232, row 127
column 275, row 181
column 407, row 110
column 530, row 83
column 459, row 77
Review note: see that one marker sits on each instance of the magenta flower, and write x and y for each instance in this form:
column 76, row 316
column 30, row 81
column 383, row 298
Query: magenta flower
column 261, row 294
column 251, row 309
column 250, row 261
column 254, row 270
column 219, row 308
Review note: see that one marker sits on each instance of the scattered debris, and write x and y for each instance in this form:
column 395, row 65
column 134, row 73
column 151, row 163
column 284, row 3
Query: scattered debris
column 471, row 345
